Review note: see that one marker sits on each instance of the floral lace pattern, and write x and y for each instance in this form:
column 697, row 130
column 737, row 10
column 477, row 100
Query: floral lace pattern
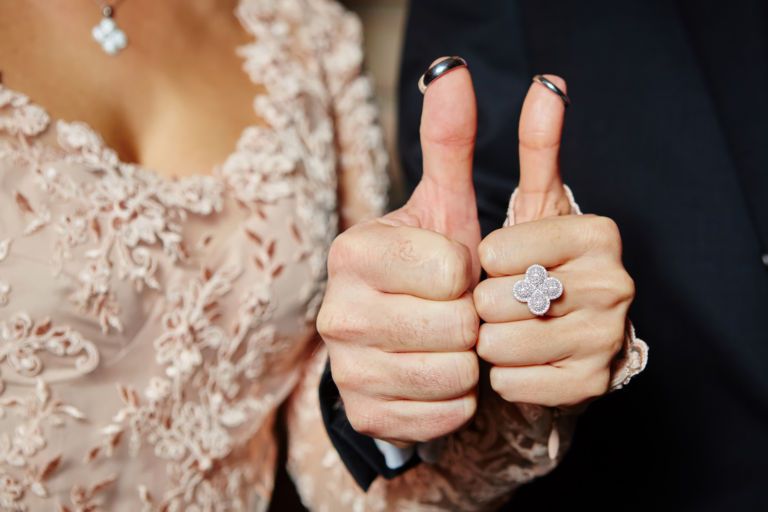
column 149, row 328
column 36, row 412
column 187, row 338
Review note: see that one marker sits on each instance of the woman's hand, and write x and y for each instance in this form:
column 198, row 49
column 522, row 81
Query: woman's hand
column 398, row 317
column 561, row 359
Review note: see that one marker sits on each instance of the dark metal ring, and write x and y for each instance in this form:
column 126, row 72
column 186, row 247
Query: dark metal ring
column 440, row 69
column 552, row 87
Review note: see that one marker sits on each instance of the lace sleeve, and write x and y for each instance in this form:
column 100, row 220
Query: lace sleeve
column 505, row 446
column 362, row 159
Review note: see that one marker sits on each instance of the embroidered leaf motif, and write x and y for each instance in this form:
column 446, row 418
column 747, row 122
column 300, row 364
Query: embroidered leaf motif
column 22, row 203
column 42, row 327
column 100, row 486
column 144, row 495
column 95, row 229
column 294, row 232
column 253, row 236
column 50, row 467
column 91, row 454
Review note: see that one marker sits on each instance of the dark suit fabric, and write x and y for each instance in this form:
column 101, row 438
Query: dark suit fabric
column 667, row 135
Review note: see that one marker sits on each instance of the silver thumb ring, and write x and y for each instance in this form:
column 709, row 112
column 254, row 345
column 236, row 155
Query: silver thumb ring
column 441, row 68
column 552, row 87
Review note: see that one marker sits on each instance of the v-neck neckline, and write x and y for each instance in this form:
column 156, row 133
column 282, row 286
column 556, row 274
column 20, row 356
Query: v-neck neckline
column 52, row 127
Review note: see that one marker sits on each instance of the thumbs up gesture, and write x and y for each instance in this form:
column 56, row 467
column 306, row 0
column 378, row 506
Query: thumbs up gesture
column 564, row 358
column 398, row 317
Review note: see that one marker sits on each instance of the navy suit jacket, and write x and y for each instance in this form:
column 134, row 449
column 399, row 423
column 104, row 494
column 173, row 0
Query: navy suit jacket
column 667, row 134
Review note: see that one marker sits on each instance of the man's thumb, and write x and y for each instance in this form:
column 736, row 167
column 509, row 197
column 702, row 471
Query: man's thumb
column 448, row 128
column 541, row 193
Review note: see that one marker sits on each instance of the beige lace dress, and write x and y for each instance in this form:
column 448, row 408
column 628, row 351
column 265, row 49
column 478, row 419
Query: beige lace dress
column 149, row 328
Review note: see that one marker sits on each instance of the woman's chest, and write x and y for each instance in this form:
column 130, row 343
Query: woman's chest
column 99, row 256
column 175, row 100
column 175, row 313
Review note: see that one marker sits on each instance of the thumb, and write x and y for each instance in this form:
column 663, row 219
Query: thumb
column 444, row 201
column 541, row 193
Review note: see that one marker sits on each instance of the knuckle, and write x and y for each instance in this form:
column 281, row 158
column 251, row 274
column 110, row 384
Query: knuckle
column 485, row 343
column 454, row 269
column 344, row 252
column 446, row 420
column 486, row 302
column 469, row 323
column 615, row 338
column 489, row 250
column 625, row 286
column 588, row 388
column 406, row 333
column 610, row 288
column 467, row 410
column 467, row 371
column 340, row 372
column 335, row 324
column 596, row 386
column 499, row 383
column 424, row 376
column 453, row 376
column 350, row 375
column 370, row 421
column 324, row 321
column 604, row 233
column 605, row 335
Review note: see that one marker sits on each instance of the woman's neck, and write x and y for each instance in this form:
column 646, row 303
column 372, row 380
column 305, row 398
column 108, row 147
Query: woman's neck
column 176, row 99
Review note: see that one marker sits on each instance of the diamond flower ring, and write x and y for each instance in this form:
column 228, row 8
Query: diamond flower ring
column 537, row 289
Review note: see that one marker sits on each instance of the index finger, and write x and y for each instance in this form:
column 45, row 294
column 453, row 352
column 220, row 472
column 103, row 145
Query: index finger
column 548, row 242
column 402, row 259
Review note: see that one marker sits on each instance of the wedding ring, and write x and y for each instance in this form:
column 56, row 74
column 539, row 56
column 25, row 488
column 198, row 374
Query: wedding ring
column 552, row 87
column 441, row 68
column 537, row 289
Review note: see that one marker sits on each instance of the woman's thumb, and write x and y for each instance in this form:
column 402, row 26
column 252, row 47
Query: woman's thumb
column 541, row 193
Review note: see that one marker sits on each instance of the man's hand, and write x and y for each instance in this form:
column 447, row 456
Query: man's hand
column 563, row 358
column 398, row 317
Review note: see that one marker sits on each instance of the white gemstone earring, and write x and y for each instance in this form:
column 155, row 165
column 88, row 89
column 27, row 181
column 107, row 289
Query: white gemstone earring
column 106, row 33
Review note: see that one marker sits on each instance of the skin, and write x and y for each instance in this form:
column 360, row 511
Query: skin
column 401, row 315
column 159, row 102
column 563, row 359
column 400, row 319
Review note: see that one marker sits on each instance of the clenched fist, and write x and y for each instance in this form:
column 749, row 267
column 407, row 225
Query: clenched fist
column 398, row 318
column 564, row 358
